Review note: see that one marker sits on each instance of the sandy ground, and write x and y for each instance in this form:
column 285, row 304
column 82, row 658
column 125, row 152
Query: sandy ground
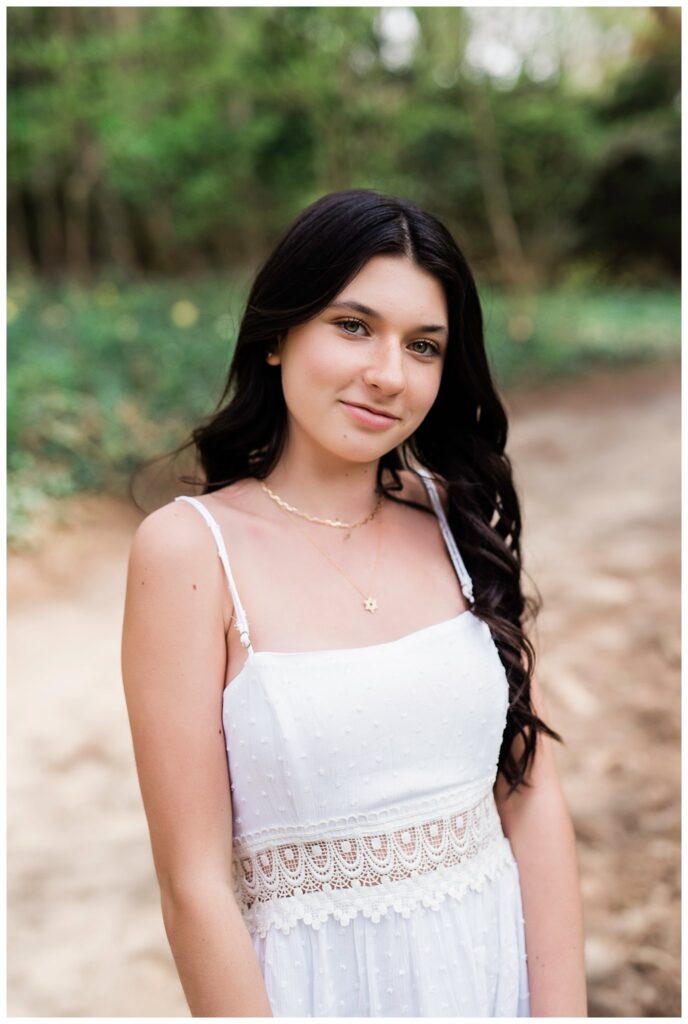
column 597, row 466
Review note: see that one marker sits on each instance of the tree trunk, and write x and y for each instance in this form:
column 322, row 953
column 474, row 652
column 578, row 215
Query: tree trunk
column 119, row 248
column 49, row 233
column 78, row 187
column 19, row 256
column 515, row 269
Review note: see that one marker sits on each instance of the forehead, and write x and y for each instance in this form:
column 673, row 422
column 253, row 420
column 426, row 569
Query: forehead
column 396, row 286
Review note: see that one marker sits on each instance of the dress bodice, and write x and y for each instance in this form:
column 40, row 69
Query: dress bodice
column 319, row 735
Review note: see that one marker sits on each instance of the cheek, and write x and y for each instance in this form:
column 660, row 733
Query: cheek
column 425, row 390
column 315, row 362
column 325, row 365
column 311, row 373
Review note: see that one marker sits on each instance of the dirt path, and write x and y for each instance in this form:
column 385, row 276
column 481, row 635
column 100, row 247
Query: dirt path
column 597, row 465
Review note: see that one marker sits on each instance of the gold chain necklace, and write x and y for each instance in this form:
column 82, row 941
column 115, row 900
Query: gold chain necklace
column 324, row 522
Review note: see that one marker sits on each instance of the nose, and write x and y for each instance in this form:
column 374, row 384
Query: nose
column 386, row 369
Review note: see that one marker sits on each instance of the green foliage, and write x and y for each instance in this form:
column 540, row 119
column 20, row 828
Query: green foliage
column 98, row 380
column 553, row 334
column 171, row 139
column 629, row 215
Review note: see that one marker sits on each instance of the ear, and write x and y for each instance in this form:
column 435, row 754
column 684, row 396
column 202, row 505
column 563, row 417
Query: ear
column 274, row 356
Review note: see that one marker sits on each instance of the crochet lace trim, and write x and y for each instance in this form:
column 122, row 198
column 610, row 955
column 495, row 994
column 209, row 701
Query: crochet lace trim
column 372, row 872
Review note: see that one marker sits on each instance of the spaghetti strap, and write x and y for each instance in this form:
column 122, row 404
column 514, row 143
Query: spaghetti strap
column 240, row 620
column 458, row 562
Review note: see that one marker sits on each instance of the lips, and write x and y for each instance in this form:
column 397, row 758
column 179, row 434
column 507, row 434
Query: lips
column 369, row 408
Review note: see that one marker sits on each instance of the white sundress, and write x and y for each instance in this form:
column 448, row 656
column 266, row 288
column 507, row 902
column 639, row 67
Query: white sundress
column 370, row 863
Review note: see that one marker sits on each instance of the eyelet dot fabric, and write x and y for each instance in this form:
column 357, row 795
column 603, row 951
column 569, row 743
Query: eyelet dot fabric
column 370, row 864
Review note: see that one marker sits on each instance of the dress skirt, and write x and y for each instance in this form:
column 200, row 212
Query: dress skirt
column 466, row 958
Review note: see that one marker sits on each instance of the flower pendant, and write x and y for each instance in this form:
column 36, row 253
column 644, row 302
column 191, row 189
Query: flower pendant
column 370, row 604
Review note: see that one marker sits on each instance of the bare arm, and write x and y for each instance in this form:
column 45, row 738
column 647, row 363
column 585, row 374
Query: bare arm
column 538, row 824
column 173, row 667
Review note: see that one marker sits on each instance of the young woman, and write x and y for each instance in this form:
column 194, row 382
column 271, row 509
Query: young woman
column 352, row 795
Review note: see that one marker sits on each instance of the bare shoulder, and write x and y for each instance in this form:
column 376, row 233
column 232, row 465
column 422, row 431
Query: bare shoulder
column 174, row 532
column 174, row 552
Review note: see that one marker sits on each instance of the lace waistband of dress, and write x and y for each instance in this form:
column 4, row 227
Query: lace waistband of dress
column 397, row 866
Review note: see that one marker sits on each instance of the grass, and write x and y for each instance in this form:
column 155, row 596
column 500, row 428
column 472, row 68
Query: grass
column 560, row 333
column 100, row 379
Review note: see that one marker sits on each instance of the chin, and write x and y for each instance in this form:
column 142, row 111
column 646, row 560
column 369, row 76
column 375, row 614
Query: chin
column 352, row 447
column 362, row 453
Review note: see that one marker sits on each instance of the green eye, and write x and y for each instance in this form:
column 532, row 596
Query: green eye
column 350, row 320
column 433, row 346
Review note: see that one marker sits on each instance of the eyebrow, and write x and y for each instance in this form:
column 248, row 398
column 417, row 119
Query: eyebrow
column 352, row 304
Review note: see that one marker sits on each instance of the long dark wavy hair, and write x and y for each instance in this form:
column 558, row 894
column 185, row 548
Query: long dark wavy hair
column 461, row 440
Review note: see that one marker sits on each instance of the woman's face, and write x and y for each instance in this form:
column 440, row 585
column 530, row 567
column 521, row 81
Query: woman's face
column 388, row 356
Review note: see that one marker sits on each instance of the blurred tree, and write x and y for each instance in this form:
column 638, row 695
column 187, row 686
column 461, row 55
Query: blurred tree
column 630, row 214
column 173, row 139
